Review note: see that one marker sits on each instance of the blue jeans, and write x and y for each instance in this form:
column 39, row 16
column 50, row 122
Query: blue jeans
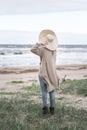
column 44, row 94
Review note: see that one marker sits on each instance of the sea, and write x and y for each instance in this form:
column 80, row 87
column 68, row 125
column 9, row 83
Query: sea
column 17, row 55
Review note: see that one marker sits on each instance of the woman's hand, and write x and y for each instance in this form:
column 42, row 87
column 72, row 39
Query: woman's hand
column 44, row 43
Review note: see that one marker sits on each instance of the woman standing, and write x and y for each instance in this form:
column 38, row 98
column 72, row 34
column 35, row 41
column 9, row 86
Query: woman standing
column 46, row 50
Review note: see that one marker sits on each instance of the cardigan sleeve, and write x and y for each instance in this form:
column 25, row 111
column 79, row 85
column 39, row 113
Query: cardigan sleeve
column 37, row 49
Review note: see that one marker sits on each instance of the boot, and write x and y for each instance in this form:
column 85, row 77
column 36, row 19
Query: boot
column 45, row 110
column 52, row 110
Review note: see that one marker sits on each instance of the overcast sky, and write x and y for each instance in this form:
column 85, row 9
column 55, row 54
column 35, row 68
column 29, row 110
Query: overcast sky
column 59, row 15
column 40, row 6
column 58, row 21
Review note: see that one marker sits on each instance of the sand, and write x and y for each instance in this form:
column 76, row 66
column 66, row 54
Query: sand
column 27, row 74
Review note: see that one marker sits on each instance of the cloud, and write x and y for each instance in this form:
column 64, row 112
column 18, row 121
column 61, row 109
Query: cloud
column 40, row 6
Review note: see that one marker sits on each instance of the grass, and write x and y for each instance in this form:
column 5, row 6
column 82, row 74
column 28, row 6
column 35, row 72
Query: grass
column 17, row 82
column 23, row 113
column 35, row 87
column 7, row 93
column 75, row 87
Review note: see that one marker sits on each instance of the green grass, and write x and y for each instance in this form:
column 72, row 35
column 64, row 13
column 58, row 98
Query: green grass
column 34, row 87
column 7, row 93
column 16, row 82
column 77, row 87
column 23, row 113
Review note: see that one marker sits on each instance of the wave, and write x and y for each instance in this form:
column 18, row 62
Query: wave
column 7, row 49
column 30, row 45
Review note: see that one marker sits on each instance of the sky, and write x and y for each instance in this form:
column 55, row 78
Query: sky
column 31, row 15
column 40, row 6
column 65, row 21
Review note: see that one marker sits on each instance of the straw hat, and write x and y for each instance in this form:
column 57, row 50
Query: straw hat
column 50, row 37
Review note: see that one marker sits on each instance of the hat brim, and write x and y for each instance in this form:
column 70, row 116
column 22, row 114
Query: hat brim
column 42, row 38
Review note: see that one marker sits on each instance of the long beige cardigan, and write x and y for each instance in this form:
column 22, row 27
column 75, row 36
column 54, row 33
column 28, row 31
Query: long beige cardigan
column 47, row 66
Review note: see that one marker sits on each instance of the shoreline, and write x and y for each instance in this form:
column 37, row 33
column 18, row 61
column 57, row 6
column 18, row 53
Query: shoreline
column 8, row 70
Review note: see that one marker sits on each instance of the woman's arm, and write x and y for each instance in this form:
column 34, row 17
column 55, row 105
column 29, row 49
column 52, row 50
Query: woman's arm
column 36, row 49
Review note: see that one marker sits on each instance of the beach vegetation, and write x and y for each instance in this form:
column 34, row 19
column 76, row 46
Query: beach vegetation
column 74, row 87
column 17, row 82
column 34, row 87
column 24, row 112
column 7, row 93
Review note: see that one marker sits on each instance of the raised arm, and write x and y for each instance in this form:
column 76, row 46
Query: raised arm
column 37, row 49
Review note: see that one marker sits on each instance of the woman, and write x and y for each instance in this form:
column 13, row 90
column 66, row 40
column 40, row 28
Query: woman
column 46, row 50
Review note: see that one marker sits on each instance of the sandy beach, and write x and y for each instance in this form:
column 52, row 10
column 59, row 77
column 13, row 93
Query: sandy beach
column 28, row 74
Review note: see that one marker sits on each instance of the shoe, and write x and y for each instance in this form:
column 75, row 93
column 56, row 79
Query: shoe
column 45, row 110
column 52, row 110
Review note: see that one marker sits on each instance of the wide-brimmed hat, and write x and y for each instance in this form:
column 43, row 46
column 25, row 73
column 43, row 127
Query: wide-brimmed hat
column 50, row 37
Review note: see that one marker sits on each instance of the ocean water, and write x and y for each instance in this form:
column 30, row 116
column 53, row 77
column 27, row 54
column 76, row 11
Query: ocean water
column 12, row 55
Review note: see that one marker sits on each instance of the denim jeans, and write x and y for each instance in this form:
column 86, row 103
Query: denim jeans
column 44, row 94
